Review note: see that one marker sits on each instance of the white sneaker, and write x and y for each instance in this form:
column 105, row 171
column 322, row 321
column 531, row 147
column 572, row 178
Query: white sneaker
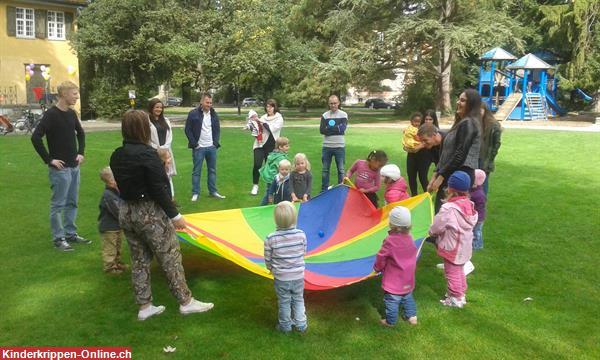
column 195, row 306
column 451, row 301
column 440, row 266
column 468, row 267
column 150, row 311
column 195, row 197
column 217, row 195
column 254, row 190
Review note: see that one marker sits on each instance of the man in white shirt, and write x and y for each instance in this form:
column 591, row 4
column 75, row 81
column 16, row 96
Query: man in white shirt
column 203, row 131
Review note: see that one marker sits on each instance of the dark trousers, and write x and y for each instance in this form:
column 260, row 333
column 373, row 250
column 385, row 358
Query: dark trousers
column 417, row 164
column 260, row 156
column 441, row 193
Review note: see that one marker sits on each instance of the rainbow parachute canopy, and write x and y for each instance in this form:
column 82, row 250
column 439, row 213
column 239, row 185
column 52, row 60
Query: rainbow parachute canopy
column 344, row 233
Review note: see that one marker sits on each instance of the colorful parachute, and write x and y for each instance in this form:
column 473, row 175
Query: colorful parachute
column 343, row 229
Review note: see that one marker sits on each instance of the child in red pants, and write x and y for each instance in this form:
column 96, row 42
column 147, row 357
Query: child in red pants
column 453, row 228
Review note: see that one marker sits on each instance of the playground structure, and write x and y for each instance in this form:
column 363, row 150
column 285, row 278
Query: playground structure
column 519, row 89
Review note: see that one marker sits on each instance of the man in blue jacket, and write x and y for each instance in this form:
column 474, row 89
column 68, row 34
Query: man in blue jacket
column 203, row 131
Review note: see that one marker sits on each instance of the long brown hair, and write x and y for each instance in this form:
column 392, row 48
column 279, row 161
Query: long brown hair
column 473, row 107
column 488, row 119
column 161, row 118
column 273, row 103
column 135, row 126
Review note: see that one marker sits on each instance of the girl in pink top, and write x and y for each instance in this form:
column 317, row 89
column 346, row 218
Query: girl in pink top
column 367, row 178
column 453, row 229
column 395, row 186
column 397, row 260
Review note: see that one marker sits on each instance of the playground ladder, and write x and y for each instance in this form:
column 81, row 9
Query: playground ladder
column 536, row 106
column 508, row 106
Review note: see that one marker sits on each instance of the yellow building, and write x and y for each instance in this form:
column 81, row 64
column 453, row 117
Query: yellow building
column 35, row 54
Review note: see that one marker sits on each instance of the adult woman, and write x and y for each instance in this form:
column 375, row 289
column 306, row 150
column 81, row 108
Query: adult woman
column 271, row 124
column 491, row 133
column 460, row 148
column 148, row 217
column 161, row 134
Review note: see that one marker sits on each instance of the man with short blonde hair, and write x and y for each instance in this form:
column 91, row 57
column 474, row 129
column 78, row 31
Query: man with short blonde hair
column 66, row 143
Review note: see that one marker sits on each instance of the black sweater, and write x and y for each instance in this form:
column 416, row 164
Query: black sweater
column 60, row 128
column 141, row 176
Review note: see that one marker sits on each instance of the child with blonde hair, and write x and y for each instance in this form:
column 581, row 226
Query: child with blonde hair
column 397, row 260
column 452, row 228
column 108, row 224
column 368, row 179
column 271, row 167
column 284, row 256
column 167, row 160
column 301, row 178
column 395, row 186
column 280, row 189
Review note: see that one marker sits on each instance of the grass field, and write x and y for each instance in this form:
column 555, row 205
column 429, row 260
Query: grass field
column 541, row 241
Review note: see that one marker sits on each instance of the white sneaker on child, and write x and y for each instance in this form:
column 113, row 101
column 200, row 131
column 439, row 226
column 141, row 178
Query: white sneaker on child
column 254, row 190
column 468, row 267
column 452, row 301
column 195, row 306
column 440, row 266
column 150, row 311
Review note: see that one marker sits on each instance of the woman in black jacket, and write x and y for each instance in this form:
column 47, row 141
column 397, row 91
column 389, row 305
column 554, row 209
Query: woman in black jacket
column 149, row 218
column 460, row 147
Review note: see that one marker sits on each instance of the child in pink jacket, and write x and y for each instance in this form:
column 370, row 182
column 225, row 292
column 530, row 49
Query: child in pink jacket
column 453, row 228
column 397, row 260
column 395, row 186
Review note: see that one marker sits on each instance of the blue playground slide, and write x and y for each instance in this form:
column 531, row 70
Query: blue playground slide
column 585, row 96
column 555, row 105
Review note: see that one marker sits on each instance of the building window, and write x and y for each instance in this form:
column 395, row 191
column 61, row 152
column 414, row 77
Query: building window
column 56, row 25
column 25, row 23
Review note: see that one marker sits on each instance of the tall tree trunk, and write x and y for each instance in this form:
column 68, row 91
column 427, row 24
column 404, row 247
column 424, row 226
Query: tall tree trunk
column 444, row 83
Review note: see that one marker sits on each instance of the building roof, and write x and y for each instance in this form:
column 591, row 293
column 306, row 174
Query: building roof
column 529, row 61
column 69, row 3
column 497, row 54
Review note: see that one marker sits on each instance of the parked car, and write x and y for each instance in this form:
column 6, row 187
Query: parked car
column 378, row 103
column 174, row 101
column 251, row 102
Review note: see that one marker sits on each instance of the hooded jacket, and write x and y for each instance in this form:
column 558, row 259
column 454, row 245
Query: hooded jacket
column 396, row 191
column 397, row 260
column 271, row 167
column 453, row 227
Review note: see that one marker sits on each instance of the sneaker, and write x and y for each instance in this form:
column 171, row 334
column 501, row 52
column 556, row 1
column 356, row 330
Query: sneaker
column 62, row 245
column 194, row 197
column 451, row 301
column 122, row 266
column 468, row 267
column 217, row 195
column 412, row 320
column 440, row 266
column 195, row 306
column 114, row 271
column 254, row 190
column 150, row 311
column 385, row 323
column 76, row 239
column 283, row 330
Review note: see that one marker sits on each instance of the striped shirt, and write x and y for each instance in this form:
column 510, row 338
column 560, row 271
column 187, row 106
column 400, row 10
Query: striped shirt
column 284, row 254
column 333, row 126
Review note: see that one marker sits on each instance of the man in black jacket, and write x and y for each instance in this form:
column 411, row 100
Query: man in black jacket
column 61, row 126
column 203, row 131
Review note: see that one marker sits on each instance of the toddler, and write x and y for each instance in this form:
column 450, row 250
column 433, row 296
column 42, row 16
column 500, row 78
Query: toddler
column 367, row 174
column 108, row 224
column 397, row 260
column 281, row 189
column 301, row 178
column 284, row 257
column 253, row 125
column 479, row 199
column 271, row 166
column 395, row 186
column 452, row 228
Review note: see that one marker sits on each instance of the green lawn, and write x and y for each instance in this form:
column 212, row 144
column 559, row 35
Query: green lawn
column 541, row 241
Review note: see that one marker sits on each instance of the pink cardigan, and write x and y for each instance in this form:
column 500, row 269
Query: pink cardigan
column 396, row 191
column 397, row 260
column 453, row 226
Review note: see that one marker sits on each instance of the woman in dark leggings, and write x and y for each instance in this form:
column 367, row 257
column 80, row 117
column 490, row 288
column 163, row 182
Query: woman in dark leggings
column 271, row 123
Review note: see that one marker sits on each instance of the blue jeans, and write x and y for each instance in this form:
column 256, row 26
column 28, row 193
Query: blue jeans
column 478, row 236
column 393, row 302
column 290, row 296
column 198, row 156
column 340, row 157
column 63, row 204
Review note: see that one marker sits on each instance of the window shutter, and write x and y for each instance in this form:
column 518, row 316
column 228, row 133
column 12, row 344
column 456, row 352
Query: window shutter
column 40, row 24
column 11, row 21
column 68, row 24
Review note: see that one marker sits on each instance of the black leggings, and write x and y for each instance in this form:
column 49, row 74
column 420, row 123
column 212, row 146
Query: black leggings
column 441, row 194
column 418, row 164
column 260, row 157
